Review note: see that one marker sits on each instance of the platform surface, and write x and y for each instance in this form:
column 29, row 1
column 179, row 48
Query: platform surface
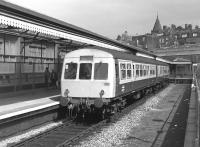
column 12, row 104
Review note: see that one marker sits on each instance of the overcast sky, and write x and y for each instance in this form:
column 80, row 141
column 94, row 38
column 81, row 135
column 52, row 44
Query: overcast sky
column 112, row 17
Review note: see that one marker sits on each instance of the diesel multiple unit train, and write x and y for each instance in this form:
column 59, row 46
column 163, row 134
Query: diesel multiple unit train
column 97, row 77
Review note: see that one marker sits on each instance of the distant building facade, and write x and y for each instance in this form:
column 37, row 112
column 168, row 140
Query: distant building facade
column 164, row 37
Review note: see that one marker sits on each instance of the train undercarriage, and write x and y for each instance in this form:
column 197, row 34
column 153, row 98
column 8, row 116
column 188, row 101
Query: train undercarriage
column 99, row 110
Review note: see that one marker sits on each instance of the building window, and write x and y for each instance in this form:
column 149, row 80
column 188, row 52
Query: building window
column 194, row 34
column 184, row 35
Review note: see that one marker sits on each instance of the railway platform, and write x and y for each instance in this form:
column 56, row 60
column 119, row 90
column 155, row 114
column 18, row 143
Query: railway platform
column 160, row 122
column 19, row 101
column 15, row 104
column 23, row 105
column 192, row 132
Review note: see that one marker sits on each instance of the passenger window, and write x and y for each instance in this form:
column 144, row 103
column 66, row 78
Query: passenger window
column 85, row 71
column 137, row 70
column 129, row 71
column 151, row 70
column 147, row 70
column 123, row 71
column 144, row 70
column 160, row 70
column 141, row 71
column 70, row 70
column 101, row 71
column 116, row 71
column 133, row 70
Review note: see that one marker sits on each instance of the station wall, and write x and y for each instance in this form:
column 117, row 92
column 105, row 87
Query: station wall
column 23, row 62
column 181, row 71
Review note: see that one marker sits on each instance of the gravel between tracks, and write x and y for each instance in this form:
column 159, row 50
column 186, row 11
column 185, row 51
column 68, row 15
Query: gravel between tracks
column 33, row 132
column 114, row 134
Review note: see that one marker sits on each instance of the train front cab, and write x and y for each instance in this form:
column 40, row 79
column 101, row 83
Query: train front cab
column 87, row 76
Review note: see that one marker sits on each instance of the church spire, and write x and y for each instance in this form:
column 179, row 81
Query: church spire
column 157, row 29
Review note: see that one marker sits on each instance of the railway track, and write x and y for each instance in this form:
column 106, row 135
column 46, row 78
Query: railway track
column 70, row 132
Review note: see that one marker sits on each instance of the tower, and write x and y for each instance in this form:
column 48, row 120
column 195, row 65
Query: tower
column 157, row 29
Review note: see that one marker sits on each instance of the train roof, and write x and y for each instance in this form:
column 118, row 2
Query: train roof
column 130, row 56
column 122, row 55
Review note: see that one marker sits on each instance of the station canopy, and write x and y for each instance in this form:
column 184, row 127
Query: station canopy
column 17, row 20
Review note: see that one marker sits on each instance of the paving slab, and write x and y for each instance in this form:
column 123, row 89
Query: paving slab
column 155, row 124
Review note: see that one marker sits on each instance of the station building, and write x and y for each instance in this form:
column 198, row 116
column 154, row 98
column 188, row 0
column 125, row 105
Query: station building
column 177, row 44
column 30, row 42
column 23, row 61
column 163, row 37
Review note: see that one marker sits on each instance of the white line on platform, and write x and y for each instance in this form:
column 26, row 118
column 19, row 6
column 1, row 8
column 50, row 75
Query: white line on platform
column 30, row 109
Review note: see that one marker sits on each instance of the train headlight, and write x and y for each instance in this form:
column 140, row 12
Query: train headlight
column 66, row 93
column 101, row 93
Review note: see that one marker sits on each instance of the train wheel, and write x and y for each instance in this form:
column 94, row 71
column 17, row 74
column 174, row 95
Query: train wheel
column 75, row 111
column 70, row 110
column 103, row 114
column 80, row 114
column 116, row 108
column 150, row 90
column 146, row 91
column 137, row 95
column 108, row 113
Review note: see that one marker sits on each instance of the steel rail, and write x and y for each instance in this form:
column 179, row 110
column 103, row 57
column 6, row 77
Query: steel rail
column 81, row 133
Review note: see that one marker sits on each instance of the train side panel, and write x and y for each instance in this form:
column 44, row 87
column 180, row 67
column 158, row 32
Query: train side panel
column 136, row 82
column 123, row 89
